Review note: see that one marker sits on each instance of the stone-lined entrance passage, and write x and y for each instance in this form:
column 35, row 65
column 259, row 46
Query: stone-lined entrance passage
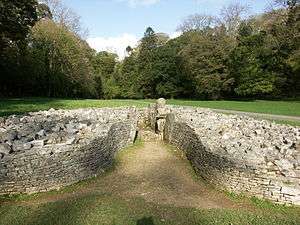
column 48, row 150
column 236, row 153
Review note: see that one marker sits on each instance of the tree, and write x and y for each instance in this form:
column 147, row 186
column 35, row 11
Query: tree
column 44, row 11
column 196, row 22
column 127, row 75
column 62, row 62
column 149, row 32
column 169, row 81
column 251, row 64
column 65, row 16
column 287, row 3
column 104, row 64
column 145, row 55
column 16, row 18
column 204, row 60
column 231, row 16
column 285, row 32
column 129, row 50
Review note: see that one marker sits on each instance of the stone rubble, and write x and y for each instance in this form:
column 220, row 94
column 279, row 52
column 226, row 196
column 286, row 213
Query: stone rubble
column 50, row 149
column 53, row 143
column 239, row 153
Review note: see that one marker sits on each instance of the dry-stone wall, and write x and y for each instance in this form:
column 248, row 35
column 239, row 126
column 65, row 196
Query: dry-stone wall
column 238, row 153
column 51, row 149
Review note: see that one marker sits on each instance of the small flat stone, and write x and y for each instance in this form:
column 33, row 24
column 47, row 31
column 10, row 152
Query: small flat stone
column 37, row 143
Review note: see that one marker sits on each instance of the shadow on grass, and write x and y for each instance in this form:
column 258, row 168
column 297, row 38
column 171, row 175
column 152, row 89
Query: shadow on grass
column 145, row 221
column 20, row 106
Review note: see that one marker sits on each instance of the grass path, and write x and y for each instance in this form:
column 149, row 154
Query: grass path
column 150, row 185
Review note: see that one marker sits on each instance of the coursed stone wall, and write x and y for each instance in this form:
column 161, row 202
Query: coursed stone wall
column 238, row 153
column 48, row 150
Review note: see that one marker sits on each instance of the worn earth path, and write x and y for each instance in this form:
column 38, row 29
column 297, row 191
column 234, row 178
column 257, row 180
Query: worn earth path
column 158, row 174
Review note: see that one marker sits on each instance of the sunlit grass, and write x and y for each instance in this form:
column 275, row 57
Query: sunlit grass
column 288, row 108
column 24, row 105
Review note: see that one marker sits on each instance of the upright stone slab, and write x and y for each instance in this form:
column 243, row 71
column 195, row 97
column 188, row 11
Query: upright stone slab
column 158, row 113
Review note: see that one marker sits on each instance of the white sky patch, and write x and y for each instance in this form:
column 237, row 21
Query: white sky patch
column 116, row 45
column 175, row 34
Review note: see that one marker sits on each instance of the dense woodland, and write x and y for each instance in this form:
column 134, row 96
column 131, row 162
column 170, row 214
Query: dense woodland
column 233, row 55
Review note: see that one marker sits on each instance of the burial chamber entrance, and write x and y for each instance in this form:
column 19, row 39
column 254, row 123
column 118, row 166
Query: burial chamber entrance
column 48, row 150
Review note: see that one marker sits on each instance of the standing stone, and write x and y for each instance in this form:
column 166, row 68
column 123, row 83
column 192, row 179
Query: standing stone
column 158, row 118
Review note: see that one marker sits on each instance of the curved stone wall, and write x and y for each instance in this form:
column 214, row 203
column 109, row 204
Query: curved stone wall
column 51, row 149
column 238, row 153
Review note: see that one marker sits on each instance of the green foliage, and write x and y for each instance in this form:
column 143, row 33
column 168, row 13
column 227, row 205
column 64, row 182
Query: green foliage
column 251, row 64
column 61, row 62
column 126, row 75
column 204, row 60
column 104, row 64
column 230, row 58
column 16, row 18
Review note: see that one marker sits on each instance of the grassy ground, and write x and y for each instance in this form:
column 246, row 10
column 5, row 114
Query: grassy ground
column 287, row 108
column 109, row 210
column 66, row 207
column 20, row 106
column 284, row 108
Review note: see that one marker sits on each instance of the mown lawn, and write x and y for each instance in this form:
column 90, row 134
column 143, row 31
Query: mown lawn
column 287, row 108
column 23, row 105
column 19, row 106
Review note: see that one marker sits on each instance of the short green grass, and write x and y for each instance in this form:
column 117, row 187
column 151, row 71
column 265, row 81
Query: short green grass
column 287, row 108
column 107, row 209
column 24, row 105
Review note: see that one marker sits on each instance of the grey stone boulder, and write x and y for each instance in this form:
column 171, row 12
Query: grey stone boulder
column 71, row 141
column 41, row 133
column 8, row 136
column 5, row 149
column 58, row 127
column 20, row 146
column 71, row 129
column 37, row 143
